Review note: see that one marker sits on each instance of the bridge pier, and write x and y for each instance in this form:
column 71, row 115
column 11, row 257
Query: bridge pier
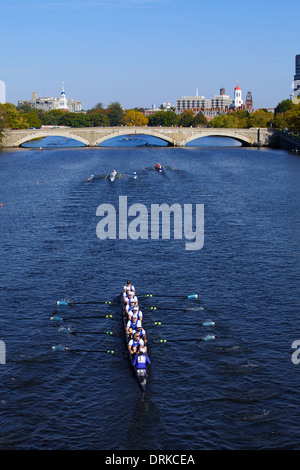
column 178, row 144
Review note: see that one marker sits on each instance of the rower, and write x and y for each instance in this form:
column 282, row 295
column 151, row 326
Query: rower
column 130, row 297
column 138, row 312
column 135, row 344
column 130, row 301
column 140, row 330
column 141, row 361
column 129, row 286
column 132, row 324
column 129, row 309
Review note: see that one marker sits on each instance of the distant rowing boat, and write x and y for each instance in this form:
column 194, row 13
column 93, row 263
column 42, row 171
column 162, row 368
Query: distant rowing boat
column 113, row 175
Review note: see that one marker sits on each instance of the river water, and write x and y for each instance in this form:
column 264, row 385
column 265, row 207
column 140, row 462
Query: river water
column 238, row 391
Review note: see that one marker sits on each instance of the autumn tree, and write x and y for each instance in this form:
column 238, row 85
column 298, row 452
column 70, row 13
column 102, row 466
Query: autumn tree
column 135, row 118
column 292, row 117
column 11, row 117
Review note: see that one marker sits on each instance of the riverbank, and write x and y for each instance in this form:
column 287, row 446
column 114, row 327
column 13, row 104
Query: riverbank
column 288, row 142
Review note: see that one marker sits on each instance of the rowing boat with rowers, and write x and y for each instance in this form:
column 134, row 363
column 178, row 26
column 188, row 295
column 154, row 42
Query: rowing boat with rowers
column 113, row 175
column 140, row 374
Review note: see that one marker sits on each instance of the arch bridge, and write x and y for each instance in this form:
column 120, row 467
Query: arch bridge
column 175, row 136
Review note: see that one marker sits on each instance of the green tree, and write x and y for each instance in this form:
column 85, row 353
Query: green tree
column 32, row 119
column 74, row 120
column 292, row 117
column 163, row 118
column 115, row 114
column 283, row 106
column 52, row 117
column 1, row 127
column 156, row 119
column 186, row 119
column 279, row 121
column 97, row 116
column 11, row 117
column 260, row 118
column 225, row 120
column 200, row 120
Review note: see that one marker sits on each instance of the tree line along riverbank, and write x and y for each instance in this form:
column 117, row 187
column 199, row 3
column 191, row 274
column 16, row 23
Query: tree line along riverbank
column 286, row 117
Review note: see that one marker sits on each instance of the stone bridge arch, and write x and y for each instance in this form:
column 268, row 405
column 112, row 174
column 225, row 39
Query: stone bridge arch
column 41, row 134
column 133, row 131
column 217, row 132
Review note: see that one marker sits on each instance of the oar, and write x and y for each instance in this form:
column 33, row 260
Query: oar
column 65, row 348
column 58, row 318
column 192, row 309
column 206, row 323
column 205, row 338
column 70, row 332
column 68, row 303
column 109, row 302
column 190, row 297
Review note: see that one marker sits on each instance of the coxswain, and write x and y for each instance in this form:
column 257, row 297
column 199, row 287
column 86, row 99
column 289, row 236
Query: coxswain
column 135, row 344
column 141, row 361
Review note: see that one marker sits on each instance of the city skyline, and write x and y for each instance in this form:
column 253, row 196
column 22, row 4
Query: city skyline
column 146, row 52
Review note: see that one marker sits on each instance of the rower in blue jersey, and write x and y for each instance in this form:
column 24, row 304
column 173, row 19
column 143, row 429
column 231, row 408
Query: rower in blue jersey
column 141, row 361
column 140, row 330
column 138, row 312
column 128, row 309
column 129, row 286
column 132, row 324
column 135, row 344
column 130, row 297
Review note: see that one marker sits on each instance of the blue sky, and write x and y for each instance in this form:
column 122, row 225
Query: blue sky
column 145, row 52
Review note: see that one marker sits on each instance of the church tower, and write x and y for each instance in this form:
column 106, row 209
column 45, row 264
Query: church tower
column 63, row 104
column 237, row 97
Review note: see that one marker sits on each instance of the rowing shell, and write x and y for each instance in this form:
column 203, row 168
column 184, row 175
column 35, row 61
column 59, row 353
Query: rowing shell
column 141, row 375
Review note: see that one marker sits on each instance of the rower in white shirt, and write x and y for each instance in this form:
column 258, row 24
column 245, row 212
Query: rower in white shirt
column 138, row 312
column 130, row 297
column 132, row 324
column 129, row 286
column 135, row 344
